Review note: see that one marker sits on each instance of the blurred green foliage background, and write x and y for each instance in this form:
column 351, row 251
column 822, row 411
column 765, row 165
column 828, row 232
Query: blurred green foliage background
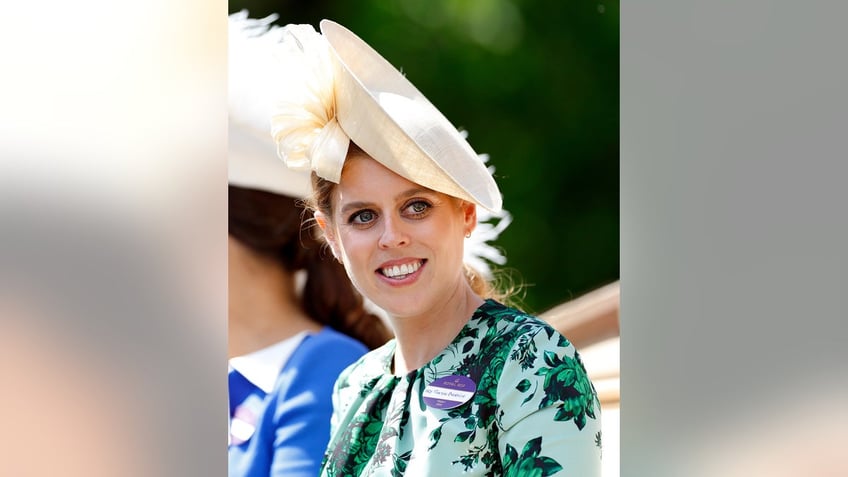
column 536, row 84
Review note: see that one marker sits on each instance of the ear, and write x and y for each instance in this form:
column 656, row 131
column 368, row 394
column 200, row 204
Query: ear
column 469, row 216
column 329, row 234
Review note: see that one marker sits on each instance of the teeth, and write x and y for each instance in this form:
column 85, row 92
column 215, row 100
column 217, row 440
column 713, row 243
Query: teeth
column 402, row 270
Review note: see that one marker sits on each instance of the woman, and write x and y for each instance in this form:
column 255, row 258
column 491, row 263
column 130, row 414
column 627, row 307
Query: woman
column 468, row 385
column 295, row 321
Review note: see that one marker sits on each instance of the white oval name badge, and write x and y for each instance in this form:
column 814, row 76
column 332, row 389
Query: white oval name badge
column 449, row 392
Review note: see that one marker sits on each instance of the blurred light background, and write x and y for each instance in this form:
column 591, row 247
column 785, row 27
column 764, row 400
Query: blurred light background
column 112, row 238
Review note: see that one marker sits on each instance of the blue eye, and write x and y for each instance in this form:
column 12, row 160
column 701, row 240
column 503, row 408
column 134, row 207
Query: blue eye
column 362, row 217
column 418, row 208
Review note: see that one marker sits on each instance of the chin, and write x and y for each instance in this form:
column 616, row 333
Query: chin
column 401, row 305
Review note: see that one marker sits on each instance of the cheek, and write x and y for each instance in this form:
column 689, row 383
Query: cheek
column 354, row 246
column 451, row 229
column 456, row 242
column 446, row 238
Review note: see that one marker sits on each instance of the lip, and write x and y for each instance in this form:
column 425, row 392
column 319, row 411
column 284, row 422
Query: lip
column 409, row 279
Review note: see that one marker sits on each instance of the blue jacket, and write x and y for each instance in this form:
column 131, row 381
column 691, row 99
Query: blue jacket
column 292, row 422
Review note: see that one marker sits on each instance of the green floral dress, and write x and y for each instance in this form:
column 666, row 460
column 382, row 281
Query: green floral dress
column 534, row 412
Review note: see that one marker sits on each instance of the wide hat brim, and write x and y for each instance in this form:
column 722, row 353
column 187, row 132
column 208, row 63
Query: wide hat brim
column 389, row 119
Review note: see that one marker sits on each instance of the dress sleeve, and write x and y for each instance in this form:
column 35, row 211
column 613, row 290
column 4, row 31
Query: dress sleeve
column 549, row 413
column 305, row 407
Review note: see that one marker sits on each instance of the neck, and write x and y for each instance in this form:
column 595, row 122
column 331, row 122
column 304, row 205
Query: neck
column 263, row 307
column 421, row 339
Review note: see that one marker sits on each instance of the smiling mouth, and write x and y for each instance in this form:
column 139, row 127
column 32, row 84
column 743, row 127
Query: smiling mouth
column 399, row 272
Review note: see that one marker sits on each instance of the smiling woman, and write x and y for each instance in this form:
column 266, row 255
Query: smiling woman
column 402, row 247
column 468, row 385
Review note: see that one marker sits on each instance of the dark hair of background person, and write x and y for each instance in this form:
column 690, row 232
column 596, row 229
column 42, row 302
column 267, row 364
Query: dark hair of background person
column 270, row 224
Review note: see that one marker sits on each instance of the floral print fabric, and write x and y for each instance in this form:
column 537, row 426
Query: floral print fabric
column 534, row 412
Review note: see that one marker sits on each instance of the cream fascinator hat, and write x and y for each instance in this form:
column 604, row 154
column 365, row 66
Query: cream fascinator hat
column 360, row 97
column 338, row 89
column 253, row 76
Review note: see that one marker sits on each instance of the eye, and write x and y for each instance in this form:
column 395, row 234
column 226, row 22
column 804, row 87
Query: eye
column 362, row 217
column 417, row 208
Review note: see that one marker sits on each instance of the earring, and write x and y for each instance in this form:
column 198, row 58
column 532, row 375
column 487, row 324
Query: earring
column 468, row 234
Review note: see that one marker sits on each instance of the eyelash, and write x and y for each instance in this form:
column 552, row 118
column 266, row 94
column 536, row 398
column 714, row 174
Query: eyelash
column 356, row 215
column 427, row 207
column 354, row 218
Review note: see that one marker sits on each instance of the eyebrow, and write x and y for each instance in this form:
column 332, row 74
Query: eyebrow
column 357, row 205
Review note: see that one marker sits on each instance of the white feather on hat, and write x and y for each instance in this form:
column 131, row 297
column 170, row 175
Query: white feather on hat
column 478, row 251
column 254, row 80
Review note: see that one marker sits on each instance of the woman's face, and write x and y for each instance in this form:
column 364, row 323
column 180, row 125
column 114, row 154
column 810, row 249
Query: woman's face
column 400, row 243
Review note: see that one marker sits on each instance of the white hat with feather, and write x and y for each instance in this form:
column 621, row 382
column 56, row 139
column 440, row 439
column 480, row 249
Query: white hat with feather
column 253, row 77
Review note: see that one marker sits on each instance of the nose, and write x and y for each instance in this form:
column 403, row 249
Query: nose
column 393, row 234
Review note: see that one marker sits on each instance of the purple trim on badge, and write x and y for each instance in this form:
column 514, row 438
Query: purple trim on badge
column 449, row 392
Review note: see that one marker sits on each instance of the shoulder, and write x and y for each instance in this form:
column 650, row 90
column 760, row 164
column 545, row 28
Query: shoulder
column 542, row 369
column 328, row 337
column 328, row 345
column 514, row 327
column 373, row 363
column 361, row 378
column 319, row 359
column 492, row 340
column 368, row 367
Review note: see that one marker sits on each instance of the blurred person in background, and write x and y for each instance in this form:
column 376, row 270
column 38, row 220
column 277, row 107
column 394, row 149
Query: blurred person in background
column 469, row 385
column 295, row 321
column 89, row 328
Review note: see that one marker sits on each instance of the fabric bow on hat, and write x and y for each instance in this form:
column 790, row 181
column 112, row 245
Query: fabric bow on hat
column 304, row 126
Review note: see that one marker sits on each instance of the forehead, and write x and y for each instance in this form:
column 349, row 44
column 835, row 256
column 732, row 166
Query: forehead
column 363, row 175
column 366, row 182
